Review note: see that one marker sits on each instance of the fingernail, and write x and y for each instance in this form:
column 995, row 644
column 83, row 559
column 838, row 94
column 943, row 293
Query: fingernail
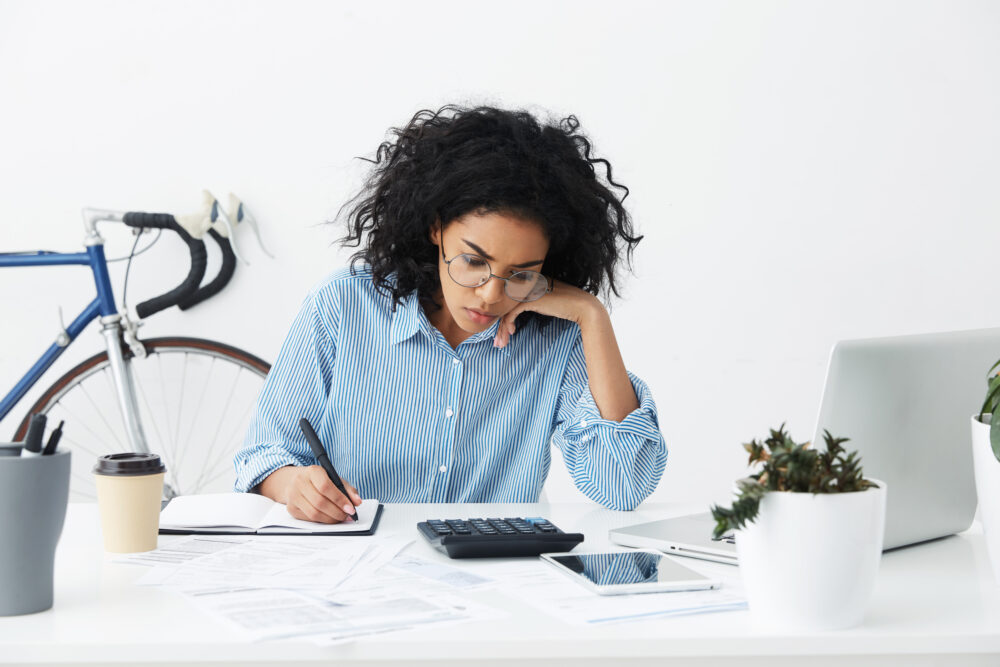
column 511, row 329
column 349, row 509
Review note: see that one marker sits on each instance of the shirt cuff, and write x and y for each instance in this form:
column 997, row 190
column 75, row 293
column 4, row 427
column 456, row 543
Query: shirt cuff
column 254, row 467
column 642, row 422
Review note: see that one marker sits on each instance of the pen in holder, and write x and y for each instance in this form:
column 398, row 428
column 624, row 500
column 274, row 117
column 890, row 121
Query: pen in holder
column 33, row 496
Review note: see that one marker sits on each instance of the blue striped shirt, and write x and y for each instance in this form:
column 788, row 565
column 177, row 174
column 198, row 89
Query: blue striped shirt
column 407, row 418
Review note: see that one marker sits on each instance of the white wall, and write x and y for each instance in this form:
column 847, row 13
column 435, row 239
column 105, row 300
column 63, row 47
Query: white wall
column 802, row 171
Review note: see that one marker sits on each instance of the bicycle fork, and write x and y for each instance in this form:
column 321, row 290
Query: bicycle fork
column 125, row 388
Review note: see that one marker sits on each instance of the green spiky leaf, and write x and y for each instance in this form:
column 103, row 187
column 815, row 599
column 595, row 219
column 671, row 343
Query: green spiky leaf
column 787, row 466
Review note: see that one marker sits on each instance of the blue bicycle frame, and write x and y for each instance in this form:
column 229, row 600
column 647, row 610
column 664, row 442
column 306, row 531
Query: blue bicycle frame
column 103, row 307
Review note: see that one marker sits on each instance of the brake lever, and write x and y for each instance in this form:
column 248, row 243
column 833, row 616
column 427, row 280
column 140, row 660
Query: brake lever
column 241, row 213
column 229, row 231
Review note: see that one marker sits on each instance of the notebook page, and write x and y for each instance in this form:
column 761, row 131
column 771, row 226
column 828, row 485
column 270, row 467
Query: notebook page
column 279, row 520
column 217, row 511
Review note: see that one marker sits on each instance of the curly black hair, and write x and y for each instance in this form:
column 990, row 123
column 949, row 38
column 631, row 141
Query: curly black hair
column 447, row 163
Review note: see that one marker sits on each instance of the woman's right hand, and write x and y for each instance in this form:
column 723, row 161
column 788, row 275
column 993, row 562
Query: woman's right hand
column 309, row 494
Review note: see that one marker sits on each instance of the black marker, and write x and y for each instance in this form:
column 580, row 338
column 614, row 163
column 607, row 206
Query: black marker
column 50, row 446
column 324, row 461
column 33, row 440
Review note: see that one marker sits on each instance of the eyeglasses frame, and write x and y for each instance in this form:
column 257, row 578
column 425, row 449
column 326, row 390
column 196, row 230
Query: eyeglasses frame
column 548, row 283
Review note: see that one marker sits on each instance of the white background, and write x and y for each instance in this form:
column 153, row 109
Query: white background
column 802, row 171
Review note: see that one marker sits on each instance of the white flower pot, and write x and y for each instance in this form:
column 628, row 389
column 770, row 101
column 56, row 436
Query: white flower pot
column 988, row 489
column 808, row 561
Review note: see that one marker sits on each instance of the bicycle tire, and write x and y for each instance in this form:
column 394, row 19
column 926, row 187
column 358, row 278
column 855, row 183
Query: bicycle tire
column 194, row 465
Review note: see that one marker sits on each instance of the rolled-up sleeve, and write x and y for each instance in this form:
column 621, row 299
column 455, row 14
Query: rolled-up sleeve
column 297, row 386
column 617, row 464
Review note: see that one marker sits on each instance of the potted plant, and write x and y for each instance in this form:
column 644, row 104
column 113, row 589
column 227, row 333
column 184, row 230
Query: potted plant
column 809, row 531
column 986, row 460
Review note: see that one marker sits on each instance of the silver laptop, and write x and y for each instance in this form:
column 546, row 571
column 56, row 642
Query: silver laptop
column 905, row 403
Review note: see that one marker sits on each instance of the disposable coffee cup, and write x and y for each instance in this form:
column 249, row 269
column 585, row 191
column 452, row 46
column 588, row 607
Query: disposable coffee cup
column 129, row 488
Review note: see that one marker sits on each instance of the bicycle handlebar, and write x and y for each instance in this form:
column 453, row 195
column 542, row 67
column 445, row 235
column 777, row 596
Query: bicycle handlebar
column 220, row 281
column 199, row 258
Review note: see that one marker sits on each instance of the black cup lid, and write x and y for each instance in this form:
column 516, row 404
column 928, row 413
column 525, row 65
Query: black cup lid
column 129, row 463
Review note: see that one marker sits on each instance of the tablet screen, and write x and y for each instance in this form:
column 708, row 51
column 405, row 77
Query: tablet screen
column 640, row 567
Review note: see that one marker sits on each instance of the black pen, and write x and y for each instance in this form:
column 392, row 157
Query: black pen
column 50, row 446
column 324, row 461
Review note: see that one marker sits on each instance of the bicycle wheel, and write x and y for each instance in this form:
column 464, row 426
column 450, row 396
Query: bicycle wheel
column 195, row 399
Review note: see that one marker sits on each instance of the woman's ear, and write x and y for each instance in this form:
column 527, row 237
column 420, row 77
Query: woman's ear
column 434, row 234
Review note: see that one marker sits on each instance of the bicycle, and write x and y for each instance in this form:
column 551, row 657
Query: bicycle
column 183, row 389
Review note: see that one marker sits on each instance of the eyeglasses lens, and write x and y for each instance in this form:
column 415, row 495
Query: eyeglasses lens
column 473, row 271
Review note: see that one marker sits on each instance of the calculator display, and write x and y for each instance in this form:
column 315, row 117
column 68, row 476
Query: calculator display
column 610, row 569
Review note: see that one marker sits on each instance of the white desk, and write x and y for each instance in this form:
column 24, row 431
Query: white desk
column 934, row 603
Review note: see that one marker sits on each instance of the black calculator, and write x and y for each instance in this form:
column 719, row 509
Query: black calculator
column 495, row 538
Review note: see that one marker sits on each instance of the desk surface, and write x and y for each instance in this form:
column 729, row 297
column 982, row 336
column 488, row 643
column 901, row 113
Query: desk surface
column 931, row 600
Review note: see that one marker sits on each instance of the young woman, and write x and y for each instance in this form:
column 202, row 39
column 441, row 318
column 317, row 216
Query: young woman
column 467, row 334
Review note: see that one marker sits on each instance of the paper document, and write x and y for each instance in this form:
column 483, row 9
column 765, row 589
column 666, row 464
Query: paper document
column 181, row 551
column 310, row 563
column 551, row 592
column 263, row 613
column 445, row 574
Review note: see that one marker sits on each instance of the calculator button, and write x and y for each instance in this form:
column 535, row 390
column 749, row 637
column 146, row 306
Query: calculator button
column 513, row 536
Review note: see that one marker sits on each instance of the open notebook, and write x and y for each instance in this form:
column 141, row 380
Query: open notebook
column 250, row 513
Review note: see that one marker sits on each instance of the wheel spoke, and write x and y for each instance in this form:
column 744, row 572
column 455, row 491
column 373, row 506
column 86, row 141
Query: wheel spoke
column 220, row 474
column 140, row 389
column 96, row 411
column 182, row 441
column 223, row 454
column 229, row 400
column 163, row 401
column 201, row 401
column 77, row 445
column 83, row 481
column 180, row 405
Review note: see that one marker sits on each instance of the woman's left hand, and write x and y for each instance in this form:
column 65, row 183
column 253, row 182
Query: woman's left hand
column 565, row 301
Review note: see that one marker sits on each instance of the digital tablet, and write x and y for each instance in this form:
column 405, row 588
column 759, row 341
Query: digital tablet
column 624, row 572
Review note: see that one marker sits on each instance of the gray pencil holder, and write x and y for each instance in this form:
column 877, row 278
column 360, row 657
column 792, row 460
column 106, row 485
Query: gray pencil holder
column 33, row 496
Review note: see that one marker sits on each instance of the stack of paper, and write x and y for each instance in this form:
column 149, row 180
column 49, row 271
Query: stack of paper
column 325, row 590
column 541, row 586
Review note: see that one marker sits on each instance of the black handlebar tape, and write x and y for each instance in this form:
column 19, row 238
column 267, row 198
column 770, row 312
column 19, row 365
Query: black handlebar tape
column 221, row 280
column 199, row 259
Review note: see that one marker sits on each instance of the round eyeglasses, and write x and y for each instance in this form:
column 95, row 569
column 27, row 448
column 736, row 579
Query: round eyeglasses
column 470, row 270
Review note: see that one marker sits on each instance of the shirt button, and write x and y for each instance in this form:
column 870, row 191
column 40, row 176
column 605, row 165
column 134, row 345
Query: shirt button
column 583, row 423
column 448, row 413
column 443, row 468
column 455, row 361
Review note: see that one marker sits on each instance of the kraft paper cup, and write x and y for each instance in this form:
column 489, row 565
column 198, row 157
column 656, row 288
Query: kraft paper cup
column 129, row 488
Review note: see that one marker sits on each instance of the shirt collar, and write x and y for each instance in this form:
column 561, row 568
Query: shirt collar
column 409, row 318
